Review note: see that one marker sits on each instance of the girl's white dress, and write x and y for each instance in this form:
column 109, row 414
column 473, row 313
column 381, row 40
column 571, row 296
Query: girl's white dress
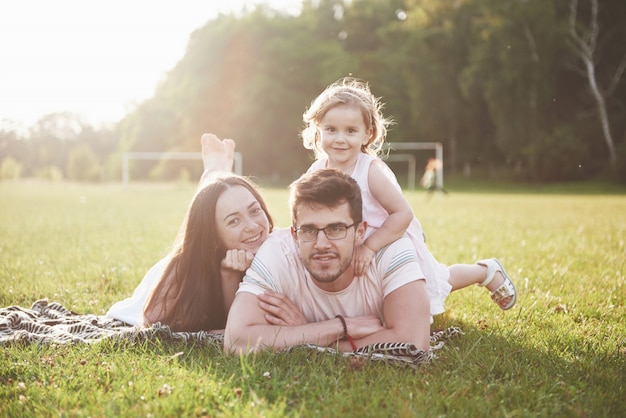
column 435, row 273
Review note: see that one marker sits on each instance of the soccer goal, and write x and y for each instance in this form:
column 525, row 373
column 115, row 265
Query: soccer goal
column 410, row 158
column 168, row 156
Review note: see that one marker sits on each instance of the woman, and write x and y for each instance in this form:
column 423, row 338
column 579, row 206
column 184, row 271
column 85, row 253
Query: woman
column 192, row 288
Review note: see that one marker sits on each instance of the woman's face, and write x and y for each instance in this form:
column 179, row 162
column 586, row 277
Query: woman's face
column 241, row 222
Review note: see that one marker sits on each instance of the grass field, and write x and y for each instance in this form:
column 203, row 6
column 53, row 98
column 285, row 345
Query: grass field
column 561, row 351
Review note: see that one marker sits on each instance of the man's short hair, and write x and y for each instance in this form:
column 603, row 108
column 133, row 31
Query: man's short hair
column 326, row 187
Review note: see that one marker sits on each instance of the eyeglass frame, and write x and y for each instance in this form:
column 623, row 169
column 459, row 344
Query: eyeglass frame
column 317, row 231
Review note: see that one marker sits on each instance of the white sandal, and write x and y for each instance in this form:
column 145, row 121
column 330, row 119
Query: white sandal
column 506, row 289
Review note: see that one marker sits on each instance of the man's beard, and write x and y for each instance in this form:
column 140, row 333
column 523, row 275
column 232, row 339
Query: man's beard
column 327, row 275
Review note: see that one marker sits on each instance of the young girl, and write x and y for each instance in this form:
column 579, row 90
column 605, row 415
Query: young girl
column 346, row 129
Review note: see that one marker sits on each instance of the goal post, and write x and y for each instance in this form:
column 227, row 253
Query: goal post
column 410, row 158
column 168, row 156
column 412, row 167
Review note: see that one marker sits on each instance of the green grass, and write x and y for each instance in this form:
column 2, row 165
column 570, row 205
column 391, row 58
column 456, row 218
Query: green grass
column 560, row 352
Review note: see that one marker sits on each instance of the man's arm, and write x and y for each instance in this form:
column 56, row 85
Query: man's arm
column 407, row 318
column 247, row 330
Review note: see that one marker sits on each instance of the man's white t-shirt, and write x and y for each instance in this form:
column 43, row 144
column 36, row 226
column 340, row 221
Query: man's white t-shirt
column 277, row 267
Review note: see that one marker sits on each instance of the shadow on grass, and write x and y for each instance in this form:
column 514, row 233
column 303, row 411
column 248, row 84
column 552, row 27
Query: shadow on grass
column 488, row 370
column 503, row 366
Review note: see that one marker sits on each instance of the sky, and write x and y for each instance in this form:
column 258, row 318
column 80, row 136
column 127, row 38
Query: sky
column 95, row 58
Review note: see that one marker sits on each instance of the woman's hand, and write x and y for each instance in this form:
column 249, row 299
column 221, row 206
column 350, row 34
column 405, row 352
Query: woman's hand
column 237, row 260
column 280, row 310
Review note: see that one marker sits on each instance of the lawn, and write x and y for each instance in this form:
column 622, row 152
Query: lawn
column 561, row 351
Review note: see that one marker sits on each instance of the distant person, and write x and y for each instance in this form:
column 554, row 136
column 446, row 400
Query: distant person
column 346, row 128
column 192, row 288
column 429, row 179
column 312, row 266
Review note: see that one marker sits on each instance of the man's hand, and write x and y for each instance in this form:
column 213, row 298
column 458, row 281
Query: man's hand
column 363, row 326
column 280, row 310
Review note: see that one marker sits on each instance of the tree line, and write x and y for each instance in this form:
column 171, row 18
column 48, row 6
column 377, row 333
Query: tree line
column 529, row 89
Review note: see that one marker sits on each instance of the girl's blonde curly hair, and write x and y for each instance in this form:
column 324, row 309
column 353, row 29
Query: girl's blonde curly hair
column 352, row 92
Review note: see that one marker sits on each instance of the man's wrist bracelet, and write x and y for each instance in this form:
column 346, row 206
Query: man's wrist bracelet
column 345, row 326
column 346, row 336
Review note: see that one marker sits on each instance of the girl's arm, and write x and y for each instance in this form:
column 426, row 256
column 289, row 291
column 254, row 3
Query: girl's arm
column 391, row 198
column 400, row 213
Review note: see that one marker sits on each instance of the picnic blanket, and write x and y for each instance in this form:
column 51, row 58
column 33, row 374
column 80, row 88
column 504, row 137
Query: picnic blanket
column 52, row 323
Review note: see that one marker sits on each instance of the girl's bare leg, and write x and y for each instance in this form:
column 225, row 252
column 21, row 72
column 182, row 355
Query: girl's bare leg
column 463, row 275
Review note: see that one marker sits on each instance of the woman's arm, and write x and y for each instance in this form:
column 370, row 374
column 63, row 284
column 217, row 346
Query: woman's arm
column 233, row 267
column 154, row 308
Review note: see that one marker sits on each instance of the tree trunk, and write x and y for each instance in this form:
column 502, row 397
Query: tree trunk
column 585, row 46
column 602, row 114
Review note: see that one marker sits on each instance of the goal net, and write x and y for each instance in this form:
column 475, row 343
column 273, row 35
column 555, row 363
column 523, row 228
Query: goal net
column 412, row 172
column 128, row 156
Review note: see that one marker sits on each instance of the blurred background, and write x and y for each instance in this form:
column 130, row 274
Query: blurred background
column 525, row 90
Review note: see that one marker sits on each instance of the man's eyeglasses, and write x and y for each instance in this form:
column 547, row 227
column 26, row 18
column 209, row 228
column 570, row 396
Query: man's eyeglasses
column 333, row 232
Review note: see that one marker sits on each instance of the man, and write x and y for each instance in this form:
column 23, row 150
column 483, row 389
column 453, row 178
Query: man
column 311, row 264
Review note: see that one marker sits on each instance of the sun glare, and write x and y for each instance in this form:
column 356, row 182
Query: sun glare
column 96, row 59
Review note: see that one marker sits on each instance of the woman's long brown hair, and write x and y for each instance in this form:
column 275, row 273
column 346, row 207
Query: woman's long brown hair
column 192, row 299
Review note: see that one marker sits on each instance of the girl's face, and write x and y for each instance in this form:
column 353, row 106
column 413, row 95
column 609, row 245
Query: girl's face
column 342, row 133
column 241, row 222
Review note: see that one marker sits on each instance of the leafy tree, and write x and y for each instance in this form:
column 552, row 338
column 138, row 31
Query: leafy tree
column 427, row 102
column 495, row 81
column 50, row 140
column 249, row 78
column 10, row 169
column 83, row 165
column 49, row 172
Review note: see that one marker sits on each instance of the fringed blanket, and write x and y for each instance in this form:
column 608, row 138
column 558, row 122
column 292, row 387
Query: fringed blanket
column 51, row 322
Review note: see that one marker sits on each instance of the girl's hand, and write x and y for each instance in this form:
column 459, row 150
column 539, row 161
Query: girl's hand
column 237, row 260
column 280, row 310
column 362, row 259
